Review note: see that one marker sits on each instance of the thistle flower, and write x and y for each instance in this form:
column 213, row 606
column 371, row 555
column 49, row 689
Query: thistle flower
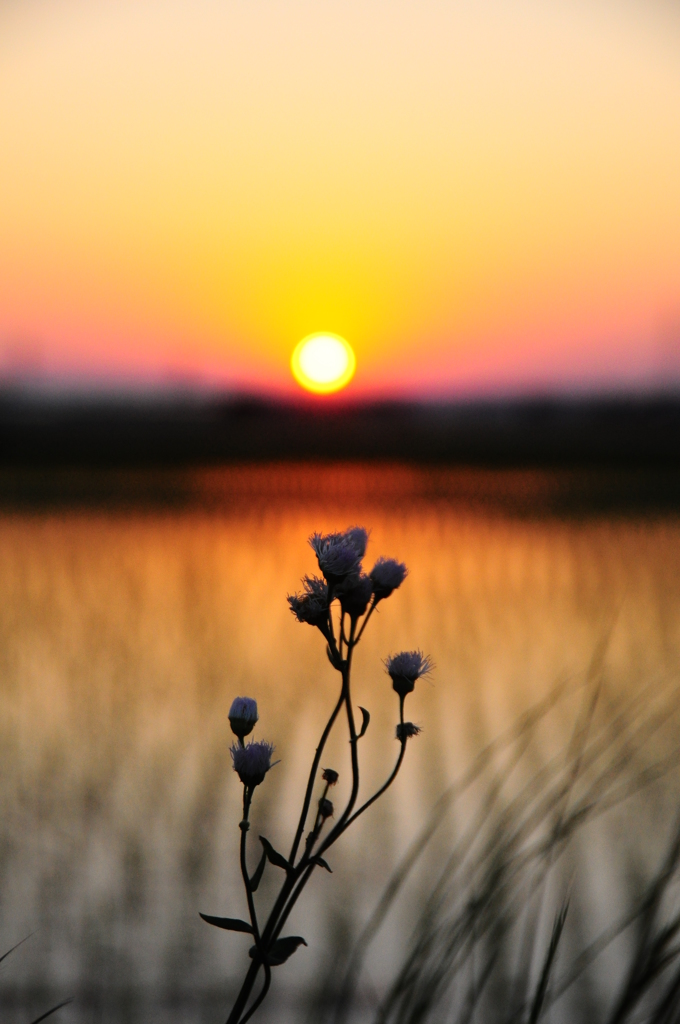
column 330, row 776
column 407, row 729
column 354, row 593
column 243, row 716
column 325, row 808
column 387, row 574
column 405, row 668
column 311, row 605
column 357, row 536
column 252, row 762
column 340, row 554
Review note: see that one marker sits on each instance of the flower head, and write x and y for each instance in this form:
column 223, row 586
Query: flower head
column 357, row 536
column 252, row 762
column 407, row 729
column 355, row 592
column 325, row 808
column 243, row 716
column 405, row 668
column 387, row 574
column 340, row 554
column 312, row 604
column 330, row 776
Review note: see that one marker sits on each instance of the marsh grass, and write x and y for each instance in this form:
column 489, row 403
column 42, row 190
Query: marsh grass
column 488, row 941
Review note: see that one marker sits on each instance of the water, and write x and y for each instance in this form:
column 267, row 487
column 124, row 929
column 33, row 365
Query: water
column 134, row 609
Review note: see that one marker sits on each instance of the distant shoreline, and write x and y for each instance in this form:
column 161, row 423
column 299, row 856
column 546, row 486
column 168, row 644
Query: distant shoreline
column 184, row 431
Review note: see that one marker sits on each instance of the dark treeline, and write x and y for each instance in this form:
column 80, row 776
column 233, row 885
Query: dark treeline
column 176, row 430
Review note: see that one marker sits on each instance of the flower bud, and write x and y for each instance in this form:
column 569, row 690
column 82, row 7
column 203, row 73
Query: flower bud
column 325, row 808
column 252, row 762
column 405, row 668
column 387, row 574
column 407, row 729
column 354, row 593
column 243, row 716
column 330, row 776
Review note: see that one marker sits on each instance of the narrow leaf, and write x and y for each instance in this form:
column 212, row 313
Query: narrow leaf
column 19, row 943
column 542, row 987
column 259, row 871
column 54, row 1009
column 364, row 724
column 231, row 924
column 273, row 856
column 321, row 863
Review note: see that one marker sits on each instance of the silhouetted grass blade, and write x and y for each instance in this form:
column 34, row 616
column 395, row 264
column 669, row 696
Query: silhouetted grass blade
column 542, row 987
column 20, row 943
column 54, row 1009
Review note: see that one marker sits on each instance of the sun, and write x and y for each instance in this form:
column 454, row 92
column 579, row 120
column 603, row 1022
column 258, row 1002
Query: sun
column 323, row 363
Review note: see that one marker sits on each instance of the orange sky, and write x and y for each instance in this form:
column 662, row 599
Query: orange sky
column 479, row 195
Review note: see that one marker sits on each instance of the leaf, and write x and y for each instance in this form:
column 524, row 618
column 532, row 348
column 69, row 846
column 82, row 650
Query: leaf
column 364, row 724
column 54, row 1009
column 232, row 924
column 321, row 863
column 273, row 856
column 542, row 987
column 259, row 871
column 280, row 951
column 19, row 943
column 283, row 948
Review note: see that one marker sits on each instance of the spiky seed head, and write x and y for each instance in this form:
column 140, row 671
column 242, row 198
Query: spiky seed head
column 405, row 668
column 339, row 554
column 387, row 575
column 406, row 730
column 243, row 716
column 330, row 776
column 252, row 762
column 354, row 593
column 311, row 605
column 357, row 536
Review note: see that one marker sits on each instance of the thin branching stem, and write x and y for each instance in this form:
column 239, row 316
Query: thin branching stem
column 312, row 777
column 386, row 785
column 262, row 996
column 246, row 988
column 372, row 608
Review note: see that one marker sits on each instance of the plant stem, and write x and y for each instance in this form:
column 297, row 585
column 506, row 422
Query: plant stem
column 365, row 622
column 364, row 807
column 246, row 988
column 312, row 778
column 260, row 999
column 242, row 998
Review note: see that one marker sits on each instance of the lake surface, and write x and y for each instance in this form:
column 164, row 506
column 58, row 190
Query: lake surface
column 132, row 612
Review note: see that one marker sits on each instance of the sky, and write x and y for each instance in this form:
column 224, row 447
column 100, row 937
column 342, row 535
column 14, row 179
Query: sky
column 481, row 196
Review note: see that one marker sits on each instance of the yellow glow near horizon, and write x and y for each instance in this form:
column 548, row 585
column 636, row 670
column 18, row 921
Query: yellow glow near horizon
column 323, row 363
column 485, row 197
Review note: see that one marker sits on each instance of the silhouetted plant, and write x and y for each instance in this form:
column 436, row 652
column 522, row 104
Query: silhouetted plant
column 340, row 606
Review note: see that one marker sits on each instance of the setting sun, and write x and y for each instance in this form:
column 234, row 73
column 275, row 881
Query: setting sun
column 323, row 363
